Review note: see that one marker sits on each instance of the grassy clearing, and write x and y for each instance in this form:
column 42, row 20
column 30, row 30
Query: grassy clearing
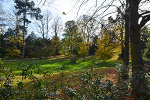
column 51, row 64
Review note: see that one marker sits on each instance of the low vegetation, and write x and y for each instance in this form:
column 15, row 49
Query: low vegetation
column 99, row 81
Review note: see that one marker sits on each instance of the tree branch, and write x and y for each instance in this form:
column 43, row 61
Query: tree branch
column 144, row 20
column 144, row 13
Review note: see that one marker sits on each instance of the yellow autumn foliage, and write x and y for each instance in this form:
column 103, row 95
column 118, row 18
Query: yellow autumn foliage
column 84, row 49
column 105, row 48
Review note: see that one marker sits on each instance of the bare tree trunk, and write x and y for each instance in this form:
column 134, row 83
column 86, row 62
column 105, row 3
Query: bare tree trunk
column 24, row 24
column 136, row 55
column 137, row 83
column 83, row 58
column 126, row 57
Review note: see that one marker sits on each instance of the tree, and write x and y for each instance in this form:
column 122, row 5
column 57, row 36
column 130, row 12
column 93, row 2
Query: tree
column 2, row 43
column 26, row 8
column 72, row 38
column 147, row 51
column 2, row 18
column 87, row 26
column 57, row 28
column 93, row 46
column 105, row 47
column 84, row 50
column 30, row 45
column 14, row 42
column 56, row 44
column 43, row 25
column 145, row 34
column 136, row 57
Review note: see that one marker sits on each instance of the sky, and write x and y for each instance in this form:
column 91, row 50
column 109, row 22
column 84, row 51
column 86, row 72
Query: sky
column 56, row 7
column 72, row 8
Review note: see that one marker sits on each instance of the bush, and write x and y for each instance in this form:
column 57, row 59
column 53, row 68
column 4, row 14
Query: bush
column 73, row 58
column 147, row 50
column 83, row 86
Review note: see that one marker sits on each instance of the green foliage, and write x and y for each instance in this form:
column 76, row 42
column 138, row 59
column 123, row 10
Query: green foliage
column 147, row 50
column 56, row 43
column 91, row 88
column 14, row 43
column 72, row 38
column 2, row 44
column 139, row 82
column 73, row 58
column 84, row 50
column 76, row 86
column 140, row 85
column 36, row 48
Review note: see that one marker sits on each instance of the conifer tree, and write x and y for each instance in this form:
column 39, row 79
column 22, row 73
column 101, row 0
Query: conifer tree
column 26, row 7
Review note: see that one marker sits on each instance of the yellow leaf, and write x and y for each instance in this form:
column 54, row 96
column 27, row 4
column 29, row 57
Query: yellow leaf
column 63, row 13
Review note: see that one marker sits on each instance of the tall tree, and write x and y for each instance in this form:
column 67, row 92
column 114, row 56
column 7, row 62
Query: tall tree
column 2, row 18
column 14, row 42
column 72, row 38
column 136, row 57
column 87, row 26
column 57, row 28
column 84, row 50
column 44, row 25
column 25, row 7
column 30, row 45
column 56, row 44
column 127, row 33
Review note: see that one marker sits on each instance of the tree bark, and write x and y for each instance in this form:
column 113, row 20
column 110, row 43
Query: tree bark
column 136, row 56
column 127, row 34
column 137, row 83
column 24, row 24
column 126, row 49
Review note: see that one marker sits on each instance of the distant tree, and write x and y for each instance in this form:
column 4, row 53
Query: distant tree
column 72, row 38
column 2, row 18
column 145, row 34
column 56, row 44
column 93, row 46
column 14, row 43
column 87, row 26
column 3, row 43
column 56, row 28
column 105, row 47
column 43, row 25
column 30, row 45
column 25, row 7
column 38, row 47
column 84, row 50
column 147, row 50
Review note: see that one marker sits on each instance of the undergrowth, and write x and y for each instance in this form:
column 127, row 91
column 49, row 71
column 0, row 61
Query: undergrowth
column 89, row 84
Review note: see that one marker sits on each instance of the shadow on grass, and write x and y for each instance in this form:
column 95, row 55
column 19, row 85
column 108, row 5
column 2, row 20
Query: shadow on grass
column 51, row 65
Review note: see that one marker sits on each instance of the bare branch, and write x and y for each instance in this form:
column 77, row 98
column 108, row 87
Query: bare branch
column 144, row 13
column 144, row 20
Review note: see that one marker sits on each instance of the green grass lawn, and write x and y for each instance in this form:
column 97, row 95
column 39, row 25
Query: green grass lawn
column 51, row 64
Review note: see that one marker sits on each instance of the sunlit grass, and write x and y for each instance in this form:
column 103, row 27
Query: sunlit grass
column 51, row 64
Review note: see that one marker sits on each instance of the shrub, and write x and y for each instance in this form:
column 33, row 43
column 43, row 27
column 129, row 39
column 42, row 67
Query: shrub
column 73, row 58
column 147, row 50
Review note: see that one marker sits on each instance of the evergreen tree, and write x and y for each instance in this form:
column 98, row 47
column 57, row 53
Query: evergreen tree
column 25, row 7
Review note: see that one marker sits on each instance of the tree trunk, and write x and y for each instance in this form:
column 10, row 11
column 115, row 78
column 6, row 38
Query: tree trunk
column 136, row 56
column 83, row 59
column 24, row 24
column 127, row 34
column 126, row 57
